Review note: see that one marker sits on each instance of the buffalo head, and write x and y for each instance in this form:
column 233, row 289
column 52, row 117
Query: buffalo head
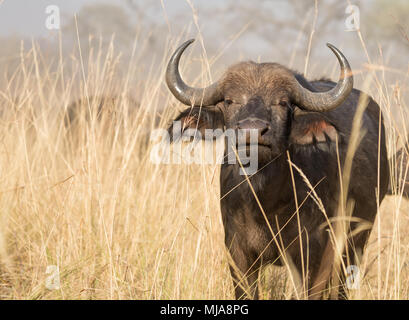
column 258, row 96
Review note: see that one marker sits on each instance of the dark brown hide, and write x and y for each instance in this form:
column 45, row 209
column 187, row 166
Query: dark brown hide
column 261, row 94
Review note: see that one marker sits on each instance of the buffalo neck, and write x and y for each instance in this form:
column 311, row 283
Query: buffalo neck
column 271, row 184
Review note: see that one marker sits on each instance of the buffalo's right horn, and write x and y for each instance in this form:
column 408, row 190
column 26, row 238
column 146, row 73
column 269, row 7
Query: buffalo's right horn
column 185, row 94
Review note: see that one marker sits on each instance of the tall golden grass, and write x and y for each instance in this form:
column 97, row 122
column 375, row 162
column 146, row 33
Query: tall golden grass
column 120, row 227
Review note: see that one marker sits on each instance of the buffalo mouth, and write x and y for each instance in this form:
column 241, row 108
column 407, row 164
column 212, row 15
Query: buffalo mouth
column 247, row 146
column 264, row 151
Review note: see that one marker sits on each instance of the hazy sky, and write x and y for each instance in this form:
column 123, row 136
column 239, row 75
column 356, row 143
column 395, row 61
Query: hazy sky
column 27, row 17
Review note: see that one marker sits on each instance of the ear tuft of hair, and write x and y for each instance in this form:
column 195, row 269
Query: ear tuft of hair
column 197, row 118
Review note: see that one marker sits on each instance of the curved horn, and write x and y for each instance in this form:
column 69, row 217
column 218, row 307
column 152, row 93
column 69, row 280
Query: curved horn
column 325, row 101
column 185, row 94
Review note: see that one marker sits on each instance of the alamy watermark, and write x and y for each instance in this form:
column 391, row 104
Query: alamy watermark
column 352, row 22
column 52, row 22
column 52, row 282
column 242, row 147
column 353, row 277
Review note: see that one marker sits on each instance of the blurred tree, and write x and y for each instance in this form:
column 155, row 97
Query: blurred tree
column 281, row 22
column 388, row 21
column 101, row 21
column 272, row 19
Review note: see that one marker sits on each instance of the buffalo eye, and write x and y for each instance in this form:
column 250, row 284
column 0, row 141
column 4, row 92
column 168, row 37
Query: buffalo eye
column 283, row 103
column 228, row 102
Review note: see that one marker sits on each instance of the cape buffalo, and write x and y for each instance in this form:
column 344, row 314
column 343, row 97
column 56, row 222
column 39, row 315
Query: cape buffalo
column 107, row 112
column 100, row 106
column 304, row 128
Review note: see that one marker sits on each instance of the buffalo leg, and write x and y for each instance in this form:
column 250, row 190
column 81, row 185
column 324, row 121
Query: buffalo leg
column 314, row 263
column 244, row 272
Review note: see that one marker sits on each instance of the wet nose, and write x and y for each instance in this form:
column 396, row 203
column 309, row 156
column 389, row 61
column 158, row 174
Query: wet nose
column 261, row 126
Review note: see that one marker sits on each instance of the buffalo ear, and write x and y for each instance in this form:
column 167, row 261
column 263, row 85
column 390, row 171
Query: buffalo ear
column 197, row 118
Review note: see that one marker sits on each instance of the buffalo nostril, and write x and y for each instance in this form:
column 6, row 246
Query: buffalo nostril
column 264, row 130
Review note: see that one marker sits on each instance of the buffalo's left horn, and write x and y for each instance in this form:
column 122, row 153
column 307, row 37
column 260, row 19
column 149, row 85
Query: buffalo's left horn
column 325, row 101
column 185, row 94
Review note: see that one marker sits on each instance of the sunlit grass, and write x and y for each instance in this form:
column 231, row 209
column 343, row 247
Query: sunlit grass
column 89, row 201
